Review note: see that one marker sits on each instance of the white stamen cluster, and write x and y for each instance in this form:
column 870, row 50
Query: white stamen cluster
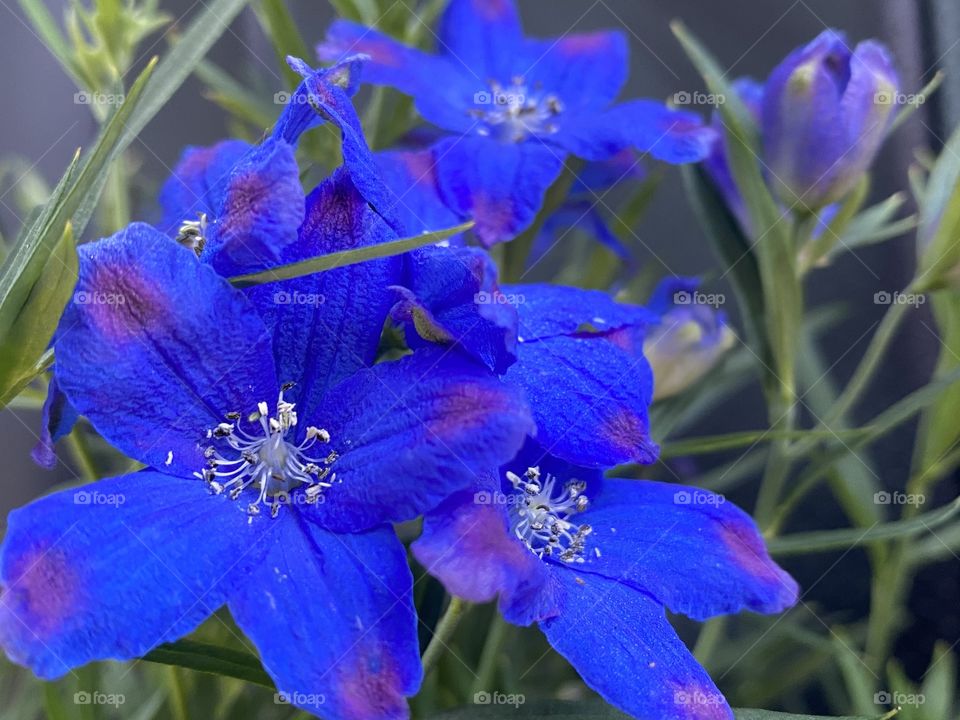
column 516, row 111
column 193, row 233
column 267, row 463
column 542, row 521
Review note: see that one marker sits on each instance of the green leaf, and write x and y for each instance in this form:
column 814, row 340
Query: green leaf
column 212, row 659
column 27, row 338
column 347, row 257
column 591, row 710
column 731, row 441
column 925, row 92
column 772, row 229
column 823, row 540
column 817, row 249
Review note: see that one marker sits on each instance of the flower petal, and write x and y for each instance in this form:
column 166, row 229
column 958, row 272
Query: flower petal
column 412, row 176
column 620, row 642
column 197, row 184
column 586, row 71
column 59, row 417
column 589, row 399
column 499, row 185
column 333, row 619
column 467, row 545
column 181, row 348
column 326, row 326
column 452, row 298
column 411, row 431
column 672, row 136
column 691, row 549
column 111, row 570
column 262, row 208
column 484, row 35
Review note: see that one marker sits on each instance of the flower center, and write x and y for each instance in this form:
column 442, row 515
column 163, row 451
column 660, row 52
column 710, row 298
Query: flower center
column 193, row 233
column 266, row 462
column 542, row 517
column 516, row 111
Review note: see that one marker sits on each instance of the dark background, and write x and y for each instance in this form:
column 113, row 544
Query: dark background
column 40, row 122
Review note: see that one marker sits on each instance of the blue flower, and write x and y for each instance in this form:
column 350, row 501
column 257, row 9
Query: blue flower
column 277, row 456
column 596, row 562
column 516, row 107
column 826, row 111
column 690, row 338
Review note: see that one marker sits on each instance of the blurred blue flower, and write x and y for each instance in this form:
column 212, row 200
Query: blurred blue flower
column 690, row 338
column 277, row 456
column 596, row 562
column 826, row 111
column 516, row 107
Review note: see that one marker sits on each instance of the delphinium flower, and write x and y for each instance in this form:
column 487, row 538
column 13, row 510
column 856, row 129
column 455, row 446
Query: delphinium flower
column 595, row 562
column 516, row 107
column 823, row 115
column 276, row 457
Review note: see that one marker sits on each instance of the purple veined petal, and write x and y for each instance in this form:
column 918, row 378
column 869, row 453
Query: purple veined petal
column 111, row 570
column 182, row 346
column 619, row 641
column 499, row 185
column 410, row 432
column 327, row 326
column 451, row 297
column 58, row 419
column 649, row 126
column 412, row 176
column 333, row 620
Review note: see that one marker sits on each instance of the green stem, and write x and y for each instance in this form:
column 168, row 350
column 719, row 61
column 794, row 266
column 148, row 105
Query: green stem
column 496, row 634
column 869, row 363
column 80, row 449
column 177, row 698
column 709, row 638
column 443, row 632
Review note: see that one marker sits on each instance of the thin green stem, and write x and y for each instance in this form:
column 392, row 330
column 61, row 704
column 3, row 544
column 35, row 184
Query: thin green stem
column 177, row 697
column 80, row 449
column 443, row 632
column 496, row 634
column 709, row 638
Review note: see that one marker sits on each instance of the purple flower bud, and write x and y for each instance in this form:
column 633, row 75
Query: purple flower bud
column 826, row 110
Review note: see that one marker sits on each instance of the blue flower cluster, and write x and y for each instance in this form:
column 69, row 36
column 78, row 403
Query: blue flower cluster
column 281, row 442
